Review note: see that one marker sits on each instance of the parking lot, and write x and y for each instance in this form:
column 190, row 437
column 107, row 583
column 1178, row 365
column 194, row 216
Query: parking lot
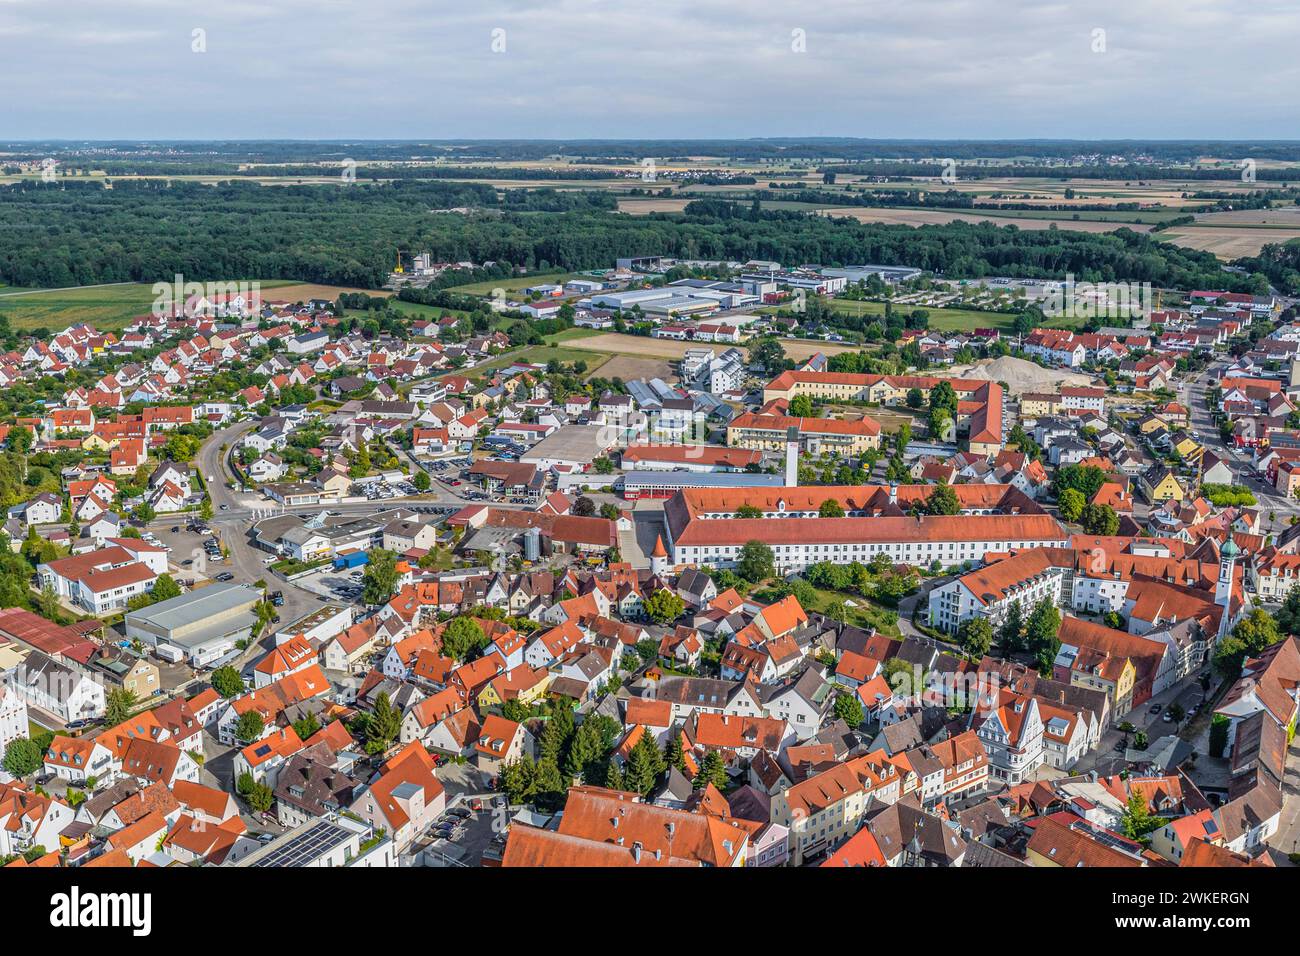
column 343, row 585
column 462, row 835
column 193, row 553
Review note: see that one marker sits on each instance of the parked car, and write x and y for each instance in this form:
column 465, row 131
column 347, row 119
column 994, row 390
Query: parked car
column 225, row 576
column 459, row 812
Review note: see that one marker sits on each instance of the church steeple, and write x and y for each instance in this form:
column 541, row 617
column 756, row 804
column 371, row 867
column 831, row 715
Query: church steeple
column 1223, row 588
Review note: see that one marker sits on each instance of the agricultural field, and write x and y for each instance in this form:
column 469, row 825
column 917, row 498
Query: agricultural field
column 107, row 307
column 1243, row 232
column 112, row 307
column 931, row 217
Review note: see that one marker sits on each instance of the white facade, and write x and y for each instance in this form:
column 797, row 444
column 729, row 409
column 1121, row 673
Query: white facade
column 13, row 717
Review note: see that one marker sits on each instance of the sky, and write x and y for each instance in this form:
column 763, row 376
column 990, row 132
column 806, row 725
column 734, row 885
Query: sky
column 557, row 69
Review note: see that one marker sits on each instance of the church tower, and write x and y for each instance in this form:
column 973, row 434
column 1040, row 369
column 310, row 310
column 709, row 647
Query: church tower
column 1223, row 588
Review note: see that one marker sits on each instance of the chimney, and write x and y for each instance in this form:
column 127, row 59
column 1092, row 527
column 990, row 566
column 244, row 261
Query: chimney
column 636, row 852
column 792, row 457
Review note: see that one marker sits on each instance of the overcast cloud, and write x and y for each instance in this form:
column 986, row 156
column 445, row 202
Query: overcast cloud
column 406, row 69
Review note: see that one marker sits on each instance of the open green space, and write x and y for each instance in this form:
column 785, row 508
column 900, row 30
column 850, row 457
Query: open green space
column 108, row 308
column 512, row 285
column 943, row 319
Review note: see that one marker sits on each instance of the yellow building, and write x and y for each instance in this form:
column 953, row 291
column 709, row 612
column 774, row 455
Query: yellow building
column 769, row 433
column 1188, row 447
column 1038, row 404
column 1161, row 484
column 1150, row 425
column 524, row 684
column 1114, row 675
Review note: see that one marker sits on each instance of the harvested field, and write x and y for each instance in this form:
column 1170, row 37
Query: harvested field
column 931, row 217
column 628, row 367
column 643, row 207
column 302, row 291
column 1228, row 242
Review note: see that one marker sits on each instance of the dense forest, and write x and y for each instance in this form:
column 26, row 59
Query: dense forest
column 80, row 233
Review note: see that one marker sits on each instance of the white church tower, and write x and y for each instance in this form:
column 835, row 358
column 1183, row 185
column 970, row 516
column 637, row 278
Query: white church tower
column 1223, row 588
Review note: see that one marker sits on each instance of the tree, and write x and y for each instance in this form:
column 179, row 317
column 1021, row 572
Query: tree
column 463, row 637
column 944, row 396
column 583, row 507
column 1219, row 725
column 1288, row 615
column 644, row 764
column 383, row 725
column 1013, row 625
column 609, row 511
column 1138, row 820
column 23, row 757
column 1040, row 634
column 848, row 708
column 119, row 704
column 943, row 501
column 421, row 480
column 380, row 578
column 143, row 512
column 940, row 424
column 1253, row 633
column 749, row 511
column 518, row 779
column 756, row 562
column 663, row 606
column 227, row 682
column 304, row 727
column 1086, row 479
column 915, row 398
column 613, row 776
column 164, row 587
column 249, row 726
column 830, row 508
column 712, row 771
column 769, row 354
column 801, row 406
column 260, row 797
column 975, row 637
column 1071, row 504
column 1099, row 519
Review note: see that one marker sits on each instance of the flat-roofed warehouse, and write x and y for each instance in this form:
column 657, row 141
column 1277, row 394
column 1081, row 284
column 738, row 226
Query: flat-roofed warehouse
column 205, row 624
column 573, row 445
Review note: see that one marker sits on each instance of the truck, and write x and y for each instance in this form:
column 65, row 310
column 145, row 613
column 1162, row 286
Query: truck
column 170, row 653
column 351, row 559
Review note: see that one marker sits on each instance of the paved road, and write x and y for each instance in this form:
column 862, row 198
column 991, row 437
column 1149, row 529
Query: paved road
column 1287, row 838
column 1275, row 509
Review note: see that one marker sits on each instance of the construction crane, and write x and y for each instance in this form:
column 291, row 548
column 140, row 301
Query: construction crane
column 398, row 266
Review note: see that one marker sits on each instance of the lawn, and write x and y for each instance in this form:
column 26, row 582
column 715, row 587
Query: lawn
column 542, row 354
column 943, row 319
column 418, row 310
column 866, row 614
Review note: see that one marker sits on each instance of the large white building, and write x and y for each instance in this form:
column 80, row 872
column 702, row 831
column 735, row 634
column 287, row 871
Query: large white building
column 702, row 527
